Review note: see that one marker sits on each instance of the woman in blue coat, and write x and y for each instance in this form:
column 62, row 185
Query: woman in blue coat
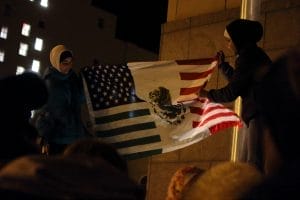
column 59, row 122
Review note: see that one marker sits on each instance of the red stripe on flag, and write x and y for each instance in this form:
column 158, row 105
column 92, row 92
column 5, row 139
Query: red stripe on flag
column 203, row 61
column 191, row 90
column 195, row 124
column 218, row 115
column 214, row 129
column 215, row 107
column 194, row 75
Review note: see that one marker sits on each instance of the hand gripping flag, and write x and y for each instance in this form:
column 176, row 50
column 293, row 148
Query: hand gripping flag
column 147, row 108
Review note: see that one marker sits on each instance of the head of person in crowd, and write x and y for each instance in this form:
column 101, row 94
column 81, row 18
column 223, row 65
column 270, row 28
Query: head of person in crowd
column 98, row 149
column 278, row 98
column 242, row 32
column 182, row 180
column 61, row 59
column 57, row 177
column 21, row 94
column 227, row 180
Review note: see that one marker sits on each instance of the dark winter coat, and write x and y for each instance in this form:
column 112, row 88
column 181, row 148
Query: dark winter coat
column 249, row 66
column 59, row 120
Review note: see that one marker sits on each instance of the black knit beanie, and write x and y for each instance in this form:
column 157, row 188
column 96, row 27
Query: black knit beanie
column 243, row 32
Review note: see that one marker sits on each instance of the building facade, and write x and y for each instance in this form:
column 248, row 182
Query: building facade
column 87, row 30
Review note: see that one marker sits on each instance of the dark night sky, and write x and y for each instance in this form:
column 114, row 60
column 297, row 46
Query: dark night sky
column 138, row 21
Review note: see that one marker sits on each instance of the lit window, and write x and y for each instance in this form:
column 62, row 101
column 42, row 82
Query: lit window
column 35, row 66
column 20, row 70
column 23, row 49
column 32, row 113
column 44, row 3
column 26, row 29
column 2, row 54
column 38, row 45
column 3, row 33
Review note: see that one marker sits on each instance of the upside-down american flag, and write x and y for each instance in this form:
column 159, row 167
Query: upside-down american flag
column 147, row 108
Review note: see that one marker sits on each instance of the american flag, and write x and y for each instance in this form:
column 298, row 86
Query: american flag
column 147, row 108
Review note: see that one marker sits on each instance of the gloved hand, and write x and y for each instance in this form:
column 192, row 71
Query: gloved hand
column 221, row 57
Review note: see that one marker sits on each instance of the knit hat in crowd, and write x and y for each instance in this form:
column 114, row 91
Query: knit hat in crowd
column 223, row 181
column 243, row 32
column 58, row 54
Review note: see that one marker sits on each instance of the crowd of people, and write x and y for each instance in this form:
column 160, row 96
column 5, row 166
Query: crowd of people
column 76, row 165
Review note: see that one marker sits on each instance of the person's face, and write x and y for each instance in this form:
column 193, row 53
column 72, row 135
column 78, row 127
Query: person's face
column 230, row 45
column 66, row 65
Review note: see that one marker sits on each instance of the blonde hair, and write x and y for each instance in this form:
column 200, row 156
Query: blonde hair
column 181, row 180
column 224, row 181
column 228, row 180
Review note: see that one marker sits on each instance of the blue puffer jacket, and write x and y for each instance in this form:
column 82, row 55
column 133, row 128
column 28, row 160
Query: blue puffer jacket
column 59, row 120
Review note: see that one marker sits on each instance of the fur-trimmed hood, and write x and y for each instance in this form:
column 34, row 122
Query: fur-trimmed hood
column 56, row 53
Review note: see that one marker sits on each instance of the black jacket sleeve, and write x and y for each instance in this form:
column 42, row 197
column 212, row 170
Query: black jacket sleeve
column 227, row 70
column 240, row 79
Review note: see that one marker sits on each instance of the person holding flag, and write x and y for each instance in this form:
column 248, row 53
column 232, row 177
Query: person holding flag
column 251, row 61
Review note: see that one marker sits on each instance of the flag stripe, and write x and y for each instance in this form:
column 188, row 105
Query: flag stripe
column 187, row 99
column 208, row 109
column 139, row 141
column 191, row 90
column 121, row 108
column 126, row 129
column 142, row 154
column 194, row 75
column 121, row 116
column 202, row 61
column 131, row 135
column 199, row 130
column 211, row 118
column 214, row 129
column 193, row 83
column 213, row 107
column 216, row 113
column 122, row 123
